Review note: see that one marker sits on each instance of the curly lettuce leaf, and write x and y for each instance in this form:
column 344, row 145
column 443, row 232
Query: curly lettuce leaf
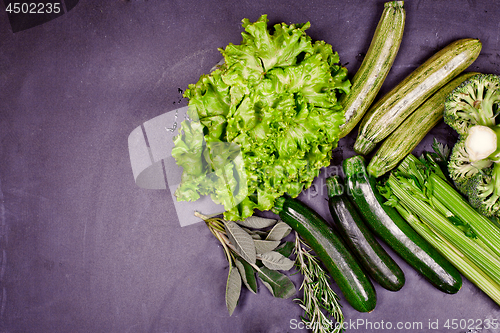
column 264, row 123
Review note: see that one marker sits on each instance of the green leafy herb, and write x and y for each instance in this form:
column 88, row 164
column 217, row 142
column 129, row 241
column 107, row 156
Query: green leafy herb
column 256, row 234
column 247, row 274
column 277, row 283
column 257, row 222
column 248, row 256
column 442, row 150
column 323, row 312
column 276, row 261
column 263, row 246
column 242, row 241
column 279, row 231
column 286, row 248
column 233, row 289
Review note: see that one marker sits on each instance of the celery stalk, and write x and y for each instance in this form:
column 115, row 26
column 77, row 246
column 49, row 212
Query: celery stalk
column 443, row 195
column 488, row 232
column 482, row 258
column 466, row 267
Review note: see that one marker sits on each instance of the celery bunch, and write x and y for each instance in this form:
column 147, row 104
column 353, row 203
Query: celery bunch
column 419, row 190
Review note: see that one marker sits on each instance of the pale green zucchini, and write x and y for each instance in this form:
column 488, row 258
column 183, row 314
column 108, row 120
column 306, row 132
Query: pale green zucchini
column 371, row 74
column 408, row 135
column 392, row 109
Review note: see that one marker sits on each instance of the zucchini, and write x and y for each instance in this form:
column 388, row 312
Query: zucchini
column 368, row 80
column 356, row 287
column 360, row 240
column 390, row 111
column 386, row 222
column 408, row 135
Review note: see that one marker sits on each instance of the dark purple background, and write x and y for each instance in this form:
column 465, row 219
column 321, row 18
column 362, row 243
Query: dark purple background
column 86, row 250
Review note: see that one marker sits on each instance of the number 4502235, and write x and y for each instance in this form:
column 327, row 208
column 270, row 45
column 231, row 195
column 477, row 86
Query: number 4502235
column 33, row 8
column 471, row 324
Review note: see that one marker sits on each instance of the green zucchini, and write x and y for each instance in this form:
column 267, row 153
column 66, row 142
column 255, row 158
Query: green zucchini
column 386, row 222
column 408, row 135
column 379, row 58
column 391, row 110
column 356, row 287
column 360, row 240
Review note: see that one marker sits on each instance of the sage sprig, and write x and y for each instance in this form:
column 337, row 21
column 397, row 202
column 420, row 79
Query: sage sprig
column 322, row 310
column 254, row 255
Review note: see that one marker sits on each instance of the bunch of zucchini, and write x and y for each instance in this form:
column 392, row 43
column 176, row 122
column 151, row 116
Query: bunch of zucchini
column 348, row 248
column 392, row 110
column 403, row 116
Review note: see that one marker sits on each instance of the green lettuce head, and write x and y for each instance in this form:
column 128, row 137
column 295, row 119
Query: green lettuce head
column 264, row 123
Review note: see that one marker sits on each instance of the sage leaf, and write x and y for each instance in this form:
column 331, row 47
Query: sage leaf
column 241, row 240
column 277, row 283
column 257, row 222
column 233, row 289
column 247, row 275
column 276, row 261
column 263, row 246
column 256, row 234
column 286, row 248
column 279, row 231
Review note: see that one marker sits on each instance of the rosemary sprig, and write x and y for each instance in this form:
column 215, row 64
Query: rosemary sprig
column 319, row 302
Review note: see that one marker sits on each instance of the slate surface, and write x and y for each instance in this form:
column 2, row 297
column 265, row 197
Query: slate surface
column 86, row 250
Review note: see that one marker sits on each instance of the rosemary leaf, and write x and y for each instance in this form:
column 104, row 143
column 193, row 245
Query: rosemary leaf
column 322, row 310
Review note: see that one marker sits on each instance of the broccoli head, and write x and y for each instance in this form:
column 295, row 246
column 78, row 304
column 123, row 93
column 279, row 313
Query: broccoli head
column 482, row 189
column 474, row 102
column 474, row 163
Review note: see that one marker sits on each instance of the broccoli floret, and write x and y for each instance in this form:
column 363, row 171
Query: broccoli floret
column 461, row 168
column 474, row 163
column 483, row 191
column 474, row 102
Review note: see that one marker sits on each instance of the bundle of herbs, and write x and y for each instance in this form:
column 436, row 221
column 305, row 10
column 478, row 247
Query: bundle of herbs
column 256, row 251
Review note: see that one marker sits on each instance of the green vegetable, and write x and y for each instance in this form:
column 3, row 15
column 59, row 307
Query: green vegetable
column 420, row 187
column 242, row 249
column 413, row 129
column 386, row 222
column 264, row 122
column 375, row 66
column 318, row 297
column 474, row 162
column 360, row 240
column 468, row 269
column 329, row 248
column 392, row 109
